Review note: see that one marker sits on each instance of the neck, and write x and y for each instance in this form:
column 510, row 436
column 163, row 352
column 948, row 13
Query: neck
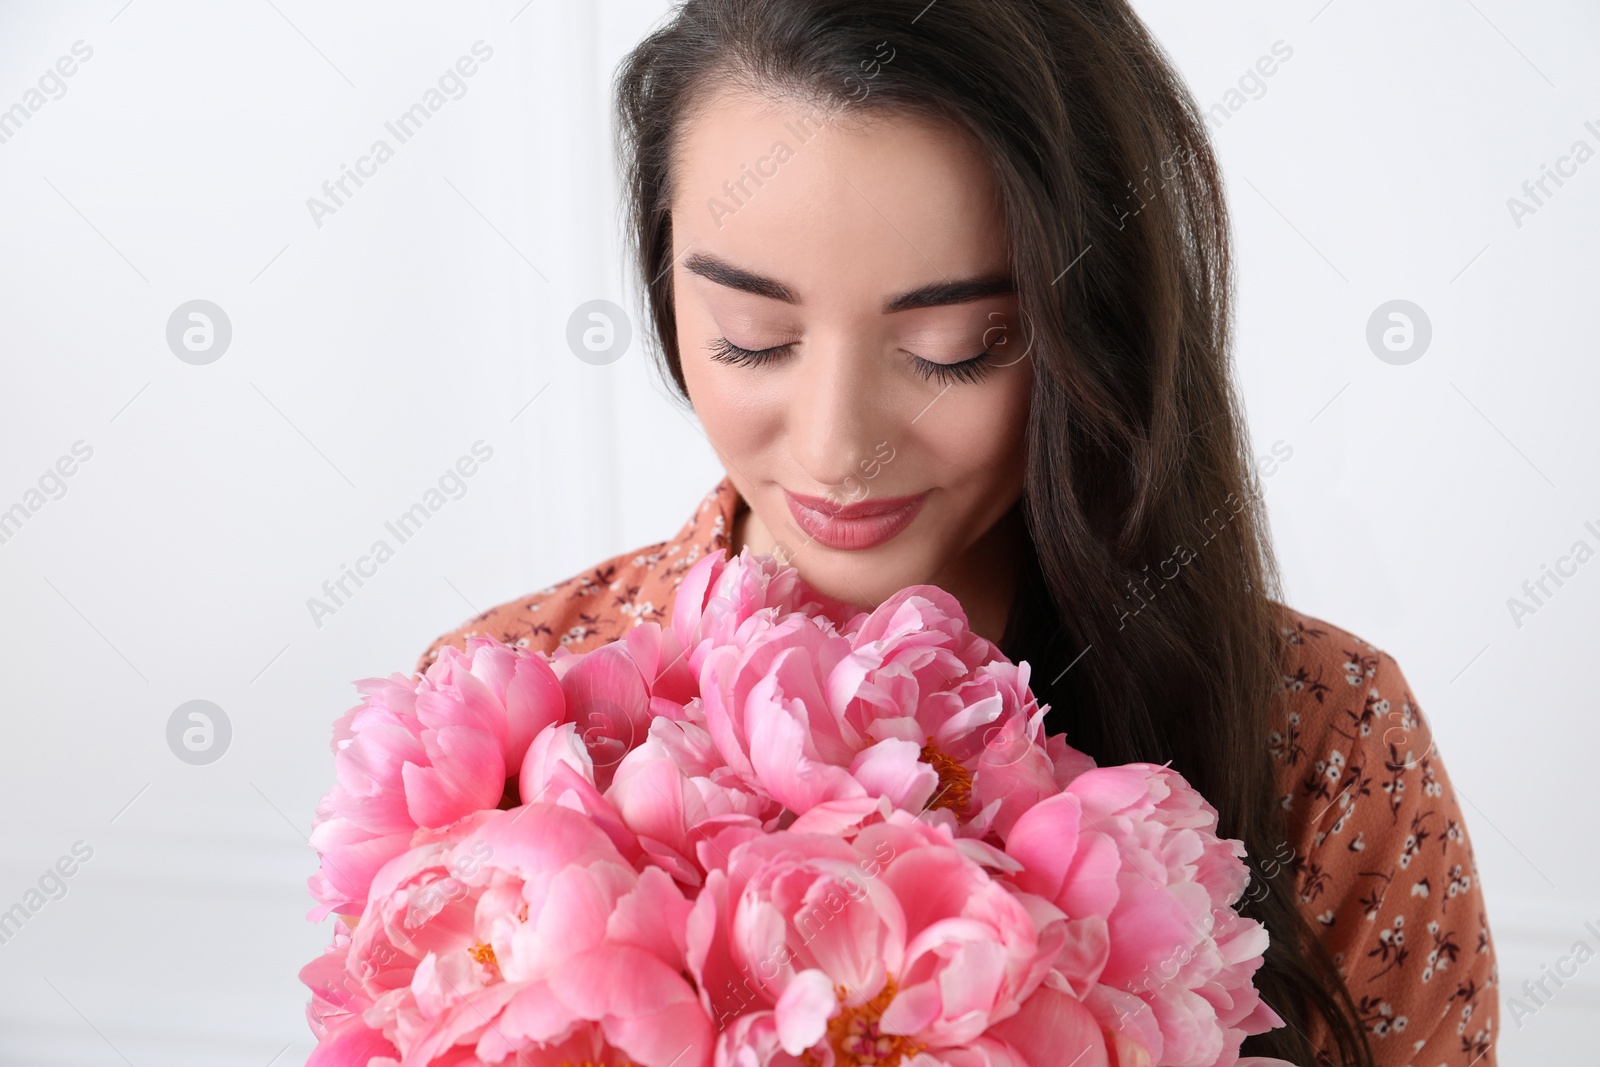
column 984, row 577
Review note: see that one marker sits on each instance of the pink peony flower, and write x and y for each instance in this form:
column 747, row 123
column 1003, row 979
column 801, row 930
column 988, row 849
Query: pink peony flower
column 421, row 754
column 425, row 753
column 608, row 701
column 719, row 597
column 841, row 834
column 1075, row 869
column 897, row 939
column 525, row 934
column 338, row 999
column 1179, row 962
column 904, row 703
column 766, row 709
column 673, row 791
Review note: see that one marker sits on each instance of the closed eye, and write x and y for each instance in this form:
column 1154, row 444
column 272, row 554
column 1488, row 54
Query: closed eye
column 967, row 370
column 725, row 351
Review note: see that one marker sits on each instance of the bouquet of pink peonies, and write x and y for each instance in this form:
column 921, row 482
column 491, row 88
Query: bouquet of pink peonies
column 779, row 833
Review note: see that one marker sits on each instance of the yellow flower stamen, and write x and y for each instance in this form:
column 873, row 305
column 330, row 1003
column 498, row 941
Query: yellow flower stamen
column 484, row 954
column 854, row 1036
column 955, row 781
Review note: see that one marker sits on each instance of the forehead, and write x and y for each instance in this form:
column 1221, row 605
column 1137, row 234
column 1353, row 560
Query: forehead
column 854, row 204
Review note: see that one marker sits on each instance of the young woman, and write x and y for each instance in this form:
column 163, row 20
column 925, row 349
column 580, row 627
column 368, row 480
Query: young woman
column 947, row 284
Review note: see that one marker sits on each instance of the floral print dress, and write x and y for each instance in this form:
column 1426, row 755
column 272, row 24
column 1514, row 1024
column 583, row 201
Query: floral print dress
column 1375, row 839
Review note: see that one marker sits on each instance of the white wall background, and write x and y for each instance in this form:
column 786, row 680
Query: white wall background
column 430, row 310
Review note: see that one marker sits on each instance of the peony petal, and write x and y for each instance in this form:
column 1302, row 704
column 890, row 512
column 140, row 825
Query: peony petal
column 1052, row 1027
column 777, row 753
column 468, row 774
column 352, row 1045
column 803, row 1011
column 894, row 769
column 534, row 701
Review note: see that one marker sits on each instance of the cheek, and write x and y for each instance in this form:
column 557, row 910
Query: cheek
column 738, row 409
column 739, row 418
column 975, row 437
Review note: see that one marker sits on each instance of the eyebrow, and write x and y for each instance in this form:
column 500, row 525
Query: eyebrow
column 934, row 294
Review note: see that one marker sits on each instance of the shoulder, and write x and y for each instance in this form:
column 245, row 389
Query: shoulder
column 1383, row 863
column 602, row 602
column 1346, row 703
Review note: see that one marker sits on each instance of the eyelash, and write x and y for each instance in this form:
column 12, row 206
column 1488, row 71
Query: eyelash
column 968, row 370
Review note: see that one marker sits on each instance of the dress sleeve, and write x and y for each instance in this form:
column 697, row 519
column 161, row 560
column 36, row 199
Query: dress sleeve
column 579, row 613
column 1386, row 873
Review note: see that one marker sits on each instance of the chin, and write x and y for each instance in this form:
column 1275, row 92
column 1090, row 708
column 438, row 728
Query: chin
column 865, row 579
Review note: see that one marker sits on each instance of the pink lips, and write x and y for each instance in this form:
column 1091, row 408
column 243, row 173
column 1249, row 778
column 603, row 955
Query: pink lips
column 856, row 526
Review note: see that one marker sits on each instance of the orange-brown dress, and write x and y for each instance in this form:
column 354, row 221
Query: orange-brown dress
column 1380, row 852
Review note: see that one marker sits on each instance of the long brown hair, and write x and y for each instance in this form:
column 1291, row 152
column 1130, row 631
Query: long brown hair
column 1149, row 601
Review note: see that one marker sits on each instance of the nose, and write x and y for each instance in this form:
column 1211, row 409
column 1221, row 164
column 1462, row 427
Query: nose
column 833, row 409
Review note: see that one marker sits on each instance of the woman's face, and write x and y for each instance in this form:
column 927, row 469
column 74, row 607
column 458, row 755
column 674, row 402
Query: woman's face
column 850, row 338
